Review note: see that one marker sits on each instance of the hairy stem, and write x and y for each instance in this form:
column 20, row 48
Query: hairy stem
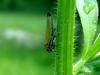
column 64, row 40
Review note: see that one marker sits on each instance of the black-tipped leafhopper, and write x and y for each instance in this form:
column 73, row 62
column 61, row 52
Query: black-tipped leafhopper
column 50, row 33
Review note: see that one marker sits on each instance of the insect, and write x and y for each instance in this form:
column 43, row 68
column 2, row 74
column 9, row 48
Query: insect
column 50, row 36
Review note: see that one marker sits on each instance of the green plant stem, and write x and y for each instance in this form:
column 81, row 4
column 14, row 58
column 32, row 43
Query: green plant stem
column 64, row 39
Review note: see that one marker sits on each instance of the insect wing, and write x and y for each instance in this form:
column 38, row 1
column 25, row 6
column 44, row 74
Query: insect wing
column 48, row 32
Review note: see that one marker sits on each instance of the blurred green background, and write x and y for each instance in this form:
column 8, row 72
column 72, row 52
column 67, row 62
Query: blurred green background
column 22, row 34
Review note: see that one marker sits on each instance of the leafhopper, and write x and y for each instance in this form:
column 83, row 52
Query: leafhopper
column 50, row 34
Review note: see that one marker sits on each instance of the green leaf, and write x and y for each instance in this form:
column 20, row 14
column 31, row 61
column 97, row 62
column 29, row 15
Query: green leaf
column 97, row 55
column 89, row 21
column 90, row 55
column 95, row 63
column 89, row 5
column 88, row 11
column 94, row 49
